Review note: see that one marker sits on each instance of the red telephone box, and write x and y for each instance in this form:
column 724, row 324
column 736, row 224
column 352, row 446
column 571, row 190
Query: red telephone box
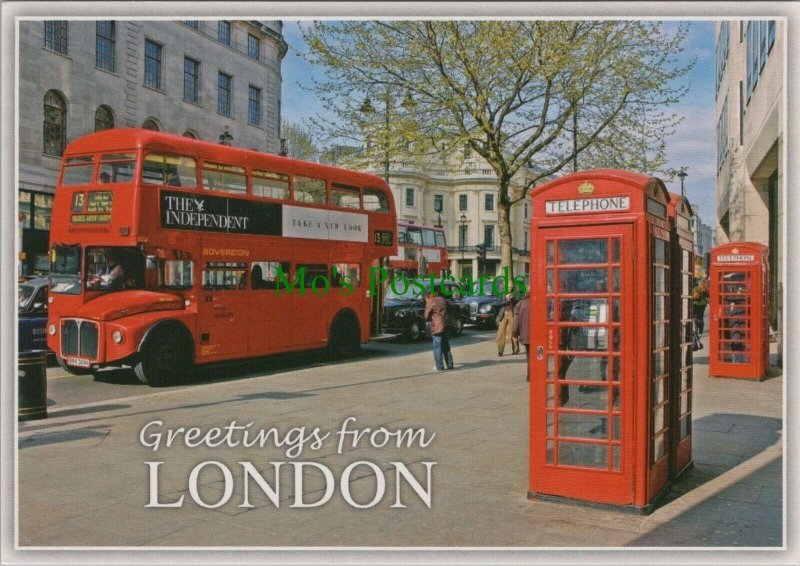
column 599, row 368
column 681, row 327
column 739, row 303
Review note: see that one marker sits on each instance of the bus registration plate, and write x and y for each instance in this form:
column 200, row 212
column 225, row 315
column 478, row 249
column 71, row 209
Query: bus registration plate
column 80, row 362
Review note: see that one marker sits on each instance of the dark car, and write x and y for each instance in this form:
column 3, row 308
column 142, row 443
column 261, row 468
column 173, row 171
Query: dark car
column 484, row 305
column 403, row 313
column 33, row 314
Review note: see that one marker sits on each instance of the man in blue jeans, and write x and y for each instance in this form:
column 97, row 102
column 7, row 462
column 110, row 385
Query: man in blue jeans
column 436, row 312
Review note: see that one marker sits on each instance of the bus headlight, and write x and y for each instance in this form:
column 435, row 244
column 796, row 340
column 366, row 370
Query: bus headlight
column 52, row 329
column 117, row 336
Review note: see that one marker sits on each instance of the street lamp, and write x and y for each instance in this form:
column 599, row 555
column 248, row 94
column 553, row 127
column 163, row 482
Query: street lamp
column 367, row 108
column 437, row 207
column 682, row 174
column 225, row 137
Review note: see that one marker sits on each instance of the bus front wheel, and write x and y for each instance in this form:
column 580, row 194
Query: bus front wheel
column 164, row 359
column 344, row 340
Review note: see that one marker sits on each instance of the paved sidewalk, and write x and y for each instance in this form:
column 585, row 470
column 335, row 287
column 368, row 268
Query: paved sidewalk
column 83, row 481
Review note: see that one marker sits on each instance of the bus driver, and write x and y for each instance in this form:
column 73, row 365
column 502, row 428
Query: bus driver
column 109, row 276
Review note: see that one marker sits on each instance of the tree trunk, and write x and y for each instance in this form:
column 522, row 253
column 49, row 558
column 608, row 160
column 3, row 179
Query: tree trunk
column 504, row 226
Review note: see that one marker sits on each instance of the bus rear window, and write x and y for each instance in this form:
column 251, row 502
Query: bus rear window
column 78, row 171
column 171, row 170
column 375, row 201
column 226, row 178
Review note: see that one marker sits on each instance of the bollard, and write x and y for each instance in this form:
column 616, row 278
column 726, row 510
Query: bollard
column 32, row 395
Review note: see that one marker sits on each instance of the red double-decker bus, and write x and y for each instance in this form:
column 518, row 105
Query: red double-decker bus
column 421, row 250
column 167, row 252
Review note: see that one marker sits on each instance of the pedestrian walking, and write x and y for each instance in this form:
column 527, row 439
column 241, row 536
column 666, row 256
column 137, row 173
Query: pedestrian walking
column 699, row 303
column 521, row 329
column 505, row 326
column 436, row 313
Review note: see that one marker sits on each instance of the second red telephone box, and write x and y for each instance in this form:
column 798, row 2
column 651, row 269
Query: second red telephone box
column 739, row 311
column 599, row 364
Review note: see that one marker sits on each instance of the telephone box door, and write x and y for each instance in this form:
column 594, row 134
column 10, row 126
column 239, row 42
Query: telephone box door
column 581, row 363
column 733, row 320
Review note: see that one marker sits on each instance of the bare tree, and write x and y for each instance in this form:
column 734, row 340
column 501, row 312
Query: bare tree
column 532, row 98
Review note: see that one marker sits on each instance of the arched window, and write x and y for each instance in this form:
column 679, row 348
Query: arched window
column 54, row 133
column 150, row 124
column 103, row 118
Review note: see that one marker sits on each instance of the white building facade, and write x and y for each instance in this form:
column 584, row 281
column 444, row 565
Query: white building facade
column 750, row 110
column 199, row 78
column 464, row 190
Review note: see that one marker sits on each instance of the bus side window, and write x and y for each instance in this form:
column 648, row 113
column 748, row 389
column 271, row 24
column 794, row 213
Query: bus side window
column 264, row 274
column 224, row 276
column 375, row 201
column 307, row 189
column 271, row 185
column 345, row 196
column 177, row 274
column 345, row 272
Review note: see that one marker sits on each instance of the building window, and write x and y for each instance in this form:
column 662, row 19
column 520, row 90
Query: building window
column 488, row 201
column 54, row 133
column 152, row 64
column 150, row 124
column 224, row 32
column 462, row 236
column 105, row 46
column 103, row 118
column 438, row 203
column 722, row 135
column 760, row 38
column 770, row 34
column 253, row 46
column 525, row 241
column 191, row 80
column 192, row 23
column 254, row 106
column 462, row 202
column 409, row 197
column 224, row 94
column 722, row 51
column 488, row 235
column 525, row 208
column 55, row 36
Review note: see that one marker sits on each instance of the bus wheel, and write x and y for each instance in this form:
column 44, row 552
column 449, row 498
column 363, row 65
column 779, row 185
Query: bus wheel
column 71, row 369
column 414, row 331
column 458, row 326
column 164, row 359
column 344, row 338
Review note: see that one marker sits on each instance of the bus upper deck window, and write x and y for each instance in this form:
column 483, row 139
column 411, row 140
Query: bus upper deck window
column 375, row 201
column 170, row 170
column 307, row 189
column 428, row 239
column 345, row 196
column 116, row 168
column 271, row 185
column 226, row 178
column 78, row 170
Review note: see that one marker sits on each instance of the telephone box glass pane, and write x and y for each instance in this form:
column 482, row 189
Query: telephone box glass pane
column 550, row 254
column 551, row 449
column 578, row 425
column 615, row 250
column 581, row 339
column 583, row 368
column 583, row 251
column 584, row 455
column 617, row 427
column 583, row 281
column 616, row 452
column 584, row 310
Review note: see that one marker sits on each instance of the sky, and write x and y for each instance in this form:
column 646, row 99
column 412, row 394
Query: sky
column 693, row 146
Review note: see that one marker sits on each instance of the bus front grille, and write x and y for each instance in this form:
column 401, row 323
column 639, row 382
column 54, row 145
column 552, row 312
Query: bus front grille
column 79, row 338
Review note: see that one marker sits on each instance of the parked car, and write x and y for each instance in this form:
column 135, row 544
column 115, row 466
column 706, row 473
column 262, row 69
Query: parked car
column 403, row 313
column 33, row 314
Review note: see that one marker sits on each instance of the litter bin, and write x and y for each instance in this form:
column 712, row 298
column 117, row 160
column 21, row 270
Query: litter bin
column 32, row 375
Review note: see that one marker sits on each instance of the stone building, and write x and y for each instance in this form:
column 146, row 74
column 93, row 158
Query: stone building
column 208, row 79
column 750, row 140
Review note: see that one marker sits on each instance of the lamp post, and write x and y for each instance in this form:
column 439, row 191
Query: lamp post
column 462, row 241
column 682, row 174
column 437, row 207
column 225, row 137
column 367, row 108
